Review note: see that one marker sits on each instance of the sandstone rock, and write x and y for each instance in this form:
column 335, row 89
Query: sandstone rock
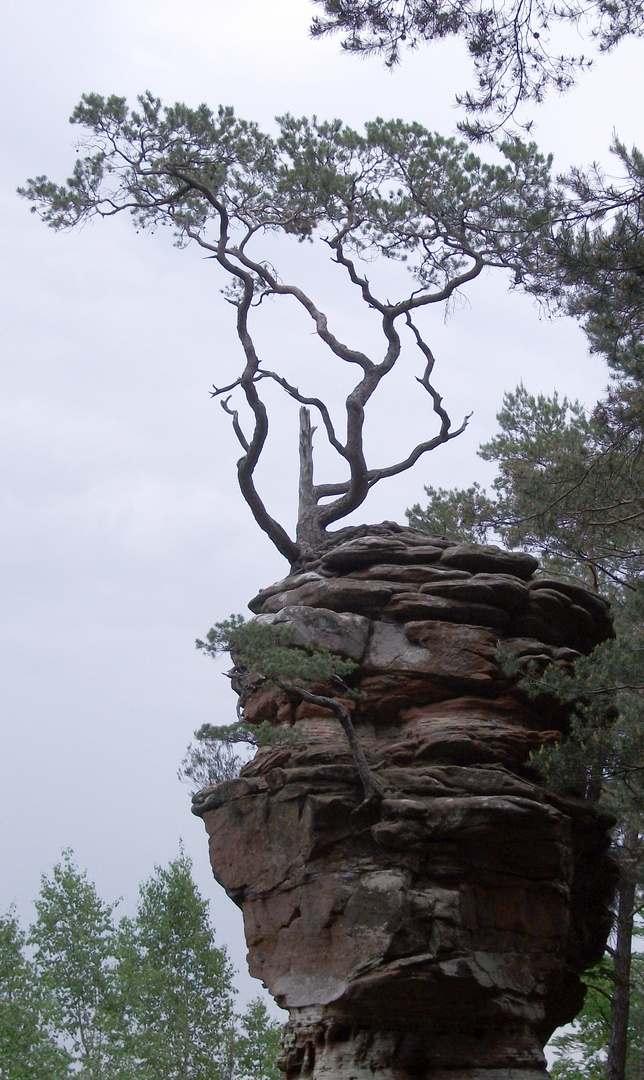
column 465, row 739
column 420, row 538
column 497, row 590
column 441, row 934
column 384, row 528
column 455, row 919
column 407, row 606
column 526, row 647
column 294, row 581
column 593, row 603
column 490, row 559
column 305, row 710
column 363, row 551
column 268, row 703
column 383, row 696
column 462, row 654
column 415, row 573
column 502, row 707
column 420, row 553
column 358, row 554
column 433, row 779
column 366, row 598
column 553, row 618
column 343, row 634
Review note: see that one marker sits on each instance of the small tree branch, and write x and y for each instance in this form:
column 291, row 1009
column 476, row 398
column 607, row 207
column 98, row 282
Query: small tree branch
column 599, row 990
column 445, row 435
column 351, row 356
column 317, row 403
column 349, row 265
column 247, row 464
column 217, row 391
column 425, row 298
column 370, row 785
column 236, row 426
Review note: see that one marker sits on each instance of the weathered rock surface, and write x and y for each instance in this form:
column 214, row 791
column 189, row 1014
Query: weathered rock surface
column 443, row 933
column 342, row 634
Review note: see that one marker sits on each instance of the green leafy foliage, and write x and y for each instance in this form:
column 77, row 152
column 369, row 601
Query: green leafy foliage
column 213, row 758
column 157, row 998
column 74, row 953
column 175, row 984
column 581, row 1049
column 28, row 1049
column 257, row 1044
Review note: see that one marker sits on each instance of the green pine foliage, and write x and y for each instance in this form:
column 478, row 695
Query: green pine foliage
column 269, row 651
column 467, row 514
column 266, row 653
column 516, row 50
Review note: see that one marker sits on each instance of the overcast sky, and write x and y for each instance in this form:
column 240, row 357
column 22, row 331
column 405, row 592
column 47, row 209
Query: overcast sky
column 123, row 534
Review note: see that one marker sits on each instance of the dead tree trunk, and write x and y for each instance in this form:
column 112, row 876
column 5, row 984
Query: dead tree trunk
column 309, row 531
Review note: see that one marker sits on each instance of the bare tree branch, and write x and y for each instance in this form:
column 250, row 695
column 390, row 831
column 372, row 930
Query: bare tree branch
column 236, row 428
column 315, row 402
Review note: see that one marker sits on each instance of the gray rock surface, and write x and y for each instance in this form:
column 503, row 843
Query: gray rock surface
column 344, row 634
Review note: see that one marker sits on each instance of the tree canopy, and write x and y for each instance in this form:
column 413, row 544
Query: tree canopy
column 514, row 46
column 395, row 192
column 134, row 999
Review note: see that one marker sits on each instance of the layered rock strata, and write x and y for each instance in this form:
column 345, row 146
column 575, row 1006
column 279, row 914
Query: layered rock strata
column 442, row 933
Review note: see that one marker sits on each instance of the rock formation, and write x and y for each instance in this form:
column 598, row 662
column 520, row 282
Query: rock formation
column 442, row 933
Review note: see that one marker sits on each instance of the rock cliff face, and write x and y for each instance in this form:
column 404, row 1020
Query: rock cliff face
column 442, row 933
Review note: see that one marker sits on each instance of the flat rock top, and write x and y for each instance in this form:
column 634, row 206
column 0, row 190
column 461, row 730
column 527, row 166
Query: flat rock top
column 402, row 574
